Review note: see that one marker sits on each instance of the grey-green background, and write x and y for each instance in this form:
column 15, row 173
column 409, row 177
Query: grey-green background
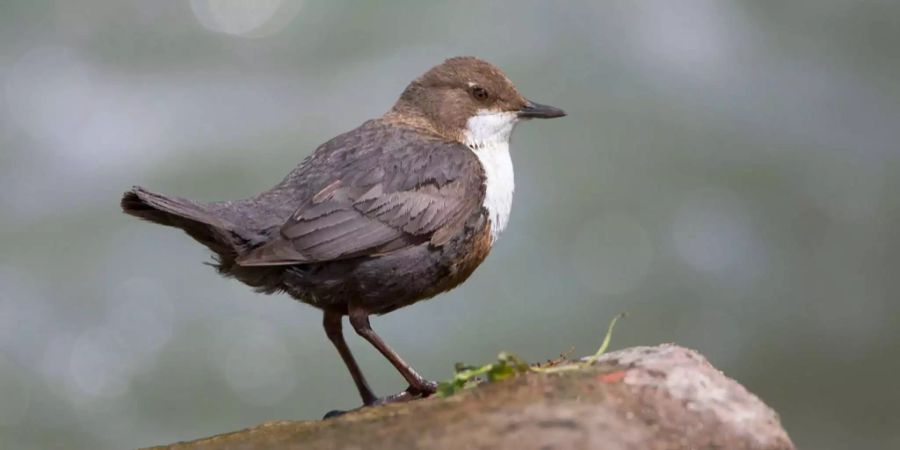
column 728, row 174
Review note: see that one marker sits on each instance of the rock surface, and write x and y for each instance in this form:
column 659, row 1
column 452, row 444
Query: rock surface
column 641, row 398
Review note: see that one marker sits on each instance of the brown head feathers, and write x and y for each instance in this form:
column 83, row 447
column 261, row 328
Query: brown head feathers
column 447, row 95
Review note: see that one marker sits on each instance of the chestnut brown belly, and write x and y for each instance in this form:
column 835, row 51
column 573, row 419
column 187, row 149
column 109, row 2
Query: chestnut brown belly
column 387, row 282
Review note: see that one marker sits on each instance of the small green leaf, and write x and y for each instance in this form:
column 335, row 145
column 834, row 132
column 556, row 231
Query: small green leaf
column 509, row 365
column 606, row 339
column 500, row 372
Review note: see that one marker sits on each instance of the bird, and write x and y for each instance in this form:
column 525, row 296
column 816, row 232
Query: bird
column 398, row 210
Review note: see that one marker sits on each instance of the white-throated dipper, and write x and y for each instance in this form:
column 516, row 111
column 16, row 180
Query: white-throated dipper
column 398, row 210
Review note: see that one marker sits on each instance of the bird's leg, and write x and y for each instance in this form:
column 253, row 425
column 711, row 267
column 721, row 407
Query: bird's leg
column 418, row 386
column 332, row 323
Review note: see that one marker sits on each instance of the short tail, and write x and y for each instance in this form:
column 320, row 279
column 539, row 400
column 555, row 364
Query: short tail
column 196, row 219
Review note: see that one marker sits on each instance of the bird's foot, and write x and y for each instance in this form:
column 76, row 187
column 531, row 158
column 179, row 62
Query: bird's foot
column 423, row 389
column 334, row 413
column 420, row 390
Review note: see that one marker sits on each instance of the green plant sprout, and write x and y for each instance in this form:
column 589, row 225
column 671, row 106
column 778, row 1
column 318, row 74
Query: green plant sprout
column 509, row 365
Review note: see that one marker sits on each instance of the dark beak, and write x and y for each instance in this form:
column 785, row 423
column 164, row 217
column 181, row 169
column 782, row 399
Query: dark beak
column 534, row 110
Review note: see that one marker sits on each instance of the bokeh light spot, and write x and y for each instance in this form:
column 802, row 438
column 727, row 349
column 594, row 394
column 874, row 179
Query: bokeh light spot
column 711, row 230
column 100, row 366
column 246, row 18
column 48, row 90
column 256, row 363
column 612, row 253
column 142, row 314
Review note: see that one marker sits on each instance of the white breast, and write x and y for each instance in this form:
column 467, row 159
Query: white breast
column 487, row 135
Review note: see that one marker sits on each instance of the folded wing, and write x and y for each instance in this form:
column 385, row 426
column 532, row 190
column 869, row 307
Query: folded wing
column 416, row 193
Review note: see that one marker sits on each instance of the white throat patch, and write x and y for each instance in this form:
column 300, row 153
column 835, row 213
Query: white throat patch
column 487, row 134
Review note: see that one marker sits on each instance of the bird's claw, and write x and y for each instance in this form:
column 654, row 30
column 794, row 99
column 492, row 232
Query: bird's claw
column 425, row 389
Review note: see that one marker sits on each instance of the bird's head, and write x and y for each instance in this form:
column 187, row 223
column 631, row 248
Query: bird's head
column 469, row 100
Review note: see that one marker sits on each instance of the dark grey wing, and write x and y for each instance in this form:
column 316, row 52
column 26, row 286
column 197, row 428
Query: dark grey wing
column 401, row 190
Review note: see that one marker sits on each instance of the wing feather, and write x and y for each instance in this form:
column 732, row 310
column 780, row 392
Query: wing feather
column 404, row 192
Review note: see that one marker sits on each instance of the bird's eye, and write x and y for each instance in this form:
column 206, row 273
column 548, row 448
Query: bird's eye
column 480, row 93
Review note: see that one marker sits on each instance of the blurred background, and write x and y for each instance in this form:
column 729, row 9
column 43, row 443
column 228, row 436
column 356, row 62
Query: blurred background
column 728, row 174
